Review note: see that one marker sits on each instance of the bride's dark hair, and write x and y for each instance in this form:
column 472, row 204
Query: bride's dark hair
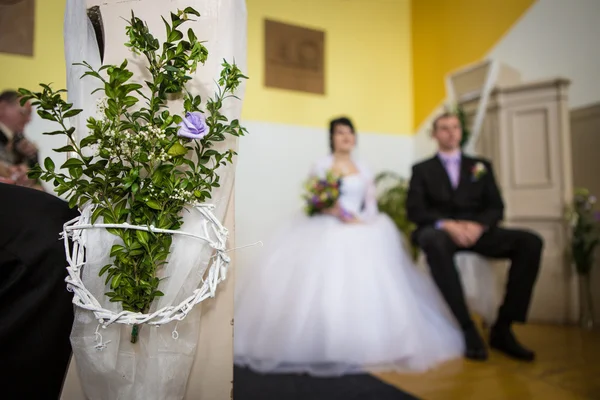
column 335, row 122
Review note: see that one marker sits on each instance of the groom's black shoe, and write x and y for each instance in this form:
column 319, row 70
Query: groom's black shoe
column 502, row 339
column 475, row 347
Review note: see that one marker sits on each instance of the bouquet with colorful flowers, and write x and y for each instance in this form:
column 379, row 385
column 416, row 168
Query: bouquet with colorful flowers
column 321, row 193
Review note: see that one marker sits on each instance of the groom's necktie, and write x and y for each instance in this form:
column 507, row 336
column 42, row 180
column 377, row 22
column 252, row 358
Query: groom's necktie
column 452, row 166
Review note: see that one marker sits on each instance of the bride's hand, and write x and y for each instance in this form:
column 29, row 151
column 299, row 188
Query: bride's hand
column 334, row 211
column 348, row 218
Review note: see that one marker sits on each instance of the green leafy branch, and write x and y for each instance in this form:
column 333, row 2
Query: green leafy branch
column 585, row 230
column 139, row 171
column 393, row 191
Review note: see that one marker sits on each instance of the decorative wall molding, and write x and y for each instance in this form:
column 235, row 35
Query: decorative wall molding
column 294, row 57
column 17, row 21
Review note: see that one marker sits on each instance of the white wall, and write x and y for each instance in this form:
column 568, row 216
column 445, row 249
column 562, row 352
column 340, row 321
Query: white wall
column 557, row 38
column 424, row 145
column 274, row 161
column 553, row 38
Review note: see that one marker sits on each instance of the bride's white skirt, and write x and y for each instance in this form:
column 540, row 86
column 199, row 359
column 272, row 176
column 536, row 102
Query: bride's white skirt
column 330, row 298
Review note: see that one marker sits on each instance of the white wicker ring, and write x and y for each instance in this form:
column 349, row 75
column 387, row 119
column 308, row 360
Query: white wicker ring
column 217, row 271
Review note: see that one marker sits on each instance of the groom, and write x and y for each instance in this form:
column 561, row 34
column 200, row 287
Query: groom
column 455, row 203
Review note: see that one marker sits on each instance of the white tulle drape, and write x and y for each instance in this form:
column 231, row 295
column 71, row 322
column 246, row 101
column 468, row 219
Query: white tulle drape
column 158, row 366
column 80, row 45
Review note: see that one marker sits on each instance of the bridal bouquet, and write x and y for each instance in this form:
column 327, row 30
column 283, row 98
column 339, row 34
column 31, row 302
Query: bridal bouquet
column 140, row 164
column 321, row 193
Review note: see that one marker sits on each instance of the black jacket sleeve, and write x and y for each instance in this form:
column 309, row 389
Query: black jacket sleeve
column 36, row 310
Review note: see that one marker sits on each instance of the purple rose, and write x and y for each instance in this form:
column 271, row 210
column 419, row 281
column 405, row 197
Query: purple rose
column 193, row 126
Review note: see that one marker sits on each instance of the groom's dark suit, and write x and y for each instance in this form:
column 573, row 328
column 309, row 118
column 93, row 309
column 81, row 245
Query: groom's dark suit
column 432, row 198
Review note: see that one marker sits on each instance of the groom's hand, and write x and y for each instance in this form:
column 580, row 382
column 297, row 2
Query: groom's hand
column 473, row 231
column 457, row 232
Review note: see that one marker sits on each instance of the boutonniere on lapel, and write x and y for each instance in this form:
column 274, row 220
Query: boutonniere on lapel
column 478, row 171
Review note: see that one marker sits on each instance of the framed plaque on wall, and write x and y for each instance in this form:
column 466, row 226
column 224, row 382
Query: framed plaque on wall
column 16, row 26
column 294, row 58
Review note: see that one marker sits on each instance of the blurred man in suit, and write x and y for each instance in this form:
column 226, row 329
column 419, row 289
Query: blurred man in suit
column 17, row 153
column 456, row 204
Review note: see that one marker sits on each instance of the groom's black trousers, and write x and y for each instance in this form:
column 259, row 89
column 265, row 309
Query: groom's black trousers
column 523, row 248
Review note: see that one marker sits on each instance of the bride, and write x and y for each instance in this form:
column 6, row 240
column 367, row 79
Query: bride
column 338, row 293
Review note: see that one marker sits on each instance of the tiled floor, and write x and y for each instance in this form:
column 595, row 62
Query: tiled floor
column 567, row 367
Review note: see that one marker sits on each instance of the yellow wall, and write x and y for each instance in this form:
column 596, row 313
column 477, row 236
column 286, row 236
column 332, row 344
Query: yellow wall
column 48, row 62
column 385, row 60
column 367, row 62
column 448, row 34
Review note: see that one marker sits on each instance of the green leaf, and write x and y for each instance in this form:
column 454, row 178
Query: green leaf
column 72, row 162
column 111, row 273
column 116, row 280
column 190, row 10
column 46, row 115
column 49, row 164
column 72, row 113
column 177, row 150
column 73, row 202
column 134, row 253
column 113, row 231
column 108, row 218
column 191, row 36
column 142, row 236
column 76, row 172
column 130, row 101
column 54, row 133
column 65, row 149
column 175, row 35
column 116, row 249
column 96, row 214
column 167, row 26
column 153, row 204
column 104, row 269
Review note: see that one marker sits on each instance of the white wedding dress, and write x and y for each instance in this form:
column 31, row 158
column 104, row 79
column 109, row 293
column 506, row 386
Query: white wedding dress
column 331, row 298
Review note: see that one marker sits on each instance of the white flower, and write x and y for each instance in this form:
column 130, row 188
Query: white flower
column 478, row 170
column 101, row 105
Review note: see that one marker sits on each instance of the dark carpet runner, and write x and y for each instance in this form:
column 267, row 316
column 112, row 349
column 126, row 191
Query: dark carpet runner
column 248, row 385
